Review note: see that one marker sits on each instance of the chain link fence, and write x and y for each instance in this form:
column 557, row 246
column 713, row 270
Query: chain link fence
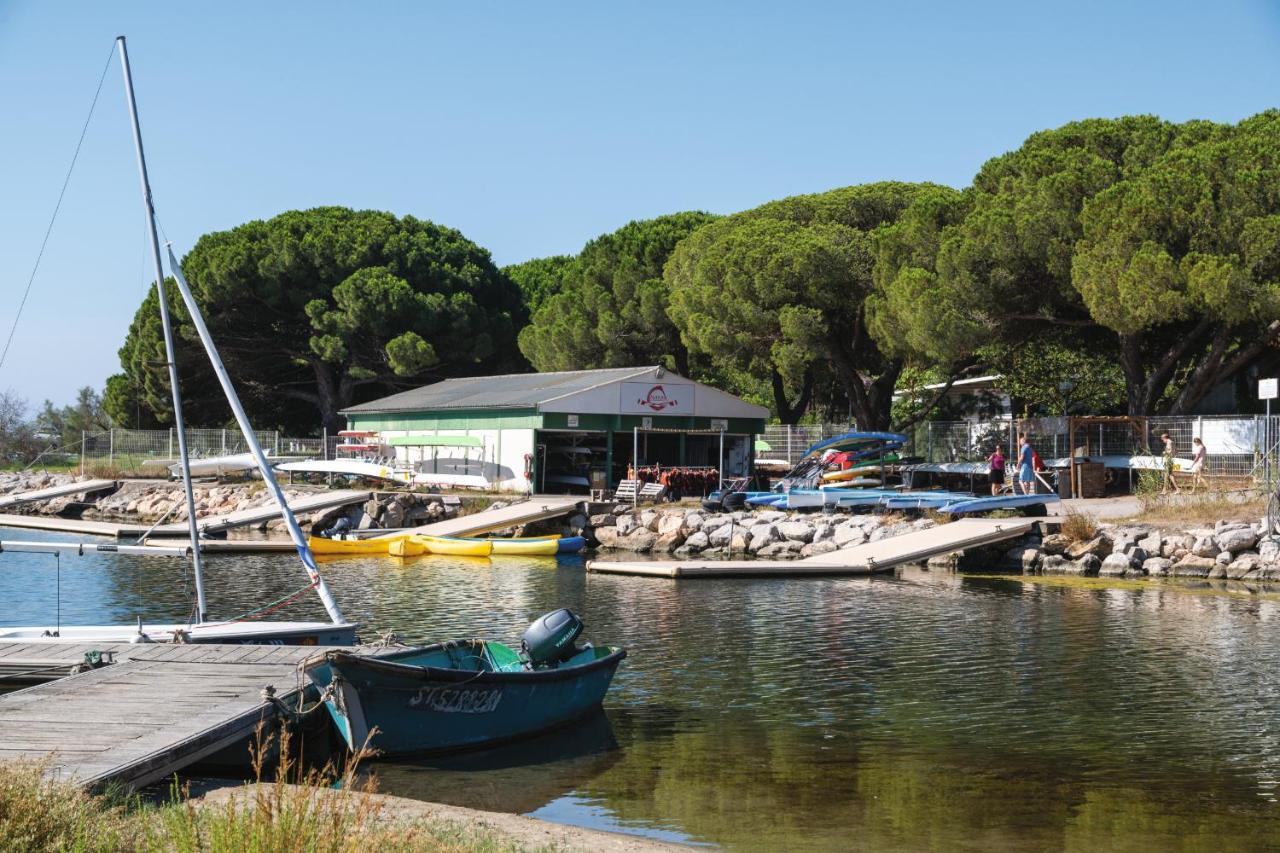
column 147, row 452
column 1236, row 445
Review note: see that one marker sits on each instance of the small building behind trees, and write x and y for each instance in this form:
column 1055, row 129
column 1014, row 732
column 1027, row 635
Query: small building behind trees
column 568, row 431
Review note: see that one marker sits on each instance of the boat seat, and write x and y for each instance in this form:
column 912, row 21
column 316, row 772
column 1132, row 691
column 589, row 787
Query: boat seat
column 503, row 658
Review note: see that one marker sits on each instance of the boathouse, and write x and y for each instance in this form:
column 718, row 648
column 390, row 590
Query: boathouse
column 570, row 432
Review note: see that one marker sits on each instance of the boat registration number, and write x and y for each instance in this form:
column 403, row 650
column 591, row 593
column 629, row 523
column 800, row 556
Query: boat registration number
column 451, row 700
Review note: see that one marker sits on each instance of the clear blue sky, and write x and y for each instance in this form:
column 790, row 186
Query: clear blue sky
column 534, row 127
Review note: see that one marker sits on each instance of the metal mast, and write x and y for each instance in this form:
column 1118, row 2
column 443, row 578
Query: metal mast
column 168, row 332
column 268, row 475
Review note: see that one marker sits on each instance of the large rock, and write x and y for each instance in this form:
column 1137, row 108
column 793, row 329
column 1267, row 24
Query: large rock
column 785, row 548
column 847, row 535
column 608, row 537
column 1022, row 558
column 1055, row 543
column 649, row 519
column 1242, row 565
column 693, row 520
column 1269, row 550
column 670, row 524
column 626, row 524
column 1224, row 558
column 1205, row 546
column 1173, row 544
column 826, row 546
column 720, row 537
column 1157, row 567
column 762, row 535
column 740, row 541
column 1087, row 565
column 822, row 531
column 669, row 541
column 1099, row 546
column 1115, row 565
column 797, row 531
column 771, row 516
column 1238, row 539
column 1152, row 543
column 697, row 540
column 639, row 540
column 1193, row 566
column 604, row 519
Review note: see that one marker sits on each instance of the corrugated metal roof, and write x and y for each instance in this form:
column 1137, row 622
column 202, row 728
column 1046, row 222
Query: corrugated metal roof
column 512, row 391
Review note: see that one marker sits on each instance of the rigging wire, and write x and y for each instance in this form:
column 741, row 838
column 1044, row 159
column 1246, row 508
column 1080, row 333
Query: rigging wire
column 48, row 231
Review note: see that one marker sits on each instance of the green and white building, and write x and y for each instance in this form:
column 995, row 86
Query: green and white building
column 565, row 432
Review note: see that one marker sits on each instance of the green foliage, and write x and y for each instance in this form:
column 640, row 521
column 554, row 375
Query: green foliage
column 314, row 310
column 778, row 292
column 538, row 279
column 86, row 414
column 611, row 309
column 1049, row 376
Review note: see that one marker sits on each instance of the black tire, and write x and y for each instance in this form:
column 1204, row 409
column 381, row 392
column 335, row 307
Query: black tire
column 734, row 500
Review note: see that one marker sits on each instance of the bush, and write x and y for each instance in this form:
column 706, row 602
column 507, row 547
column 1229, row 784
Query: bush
column 1079, row 526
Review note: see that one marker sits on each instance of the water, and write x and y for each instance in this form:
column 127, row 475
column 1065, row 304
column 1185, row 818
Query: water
column 928, row 711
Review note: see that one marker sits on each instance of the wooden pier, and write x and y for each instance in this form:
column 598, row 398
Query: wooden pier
column 536, row 508
column 883, row 555
column 269, row 512
column 157, row 709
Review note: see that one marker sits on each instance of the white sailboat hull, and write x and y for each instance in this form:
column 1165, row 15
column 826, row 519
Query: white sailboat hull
column 349, row 467
column 248, row 633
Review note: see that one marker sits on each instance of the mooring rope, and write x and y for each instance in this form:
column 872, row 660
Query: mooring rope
column 48, row 231
column 269, row 608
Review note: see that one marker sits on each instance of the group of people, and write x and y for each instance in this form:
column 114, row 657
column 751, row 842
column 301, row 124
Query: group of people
column 1029, row 466
column 1029, row 463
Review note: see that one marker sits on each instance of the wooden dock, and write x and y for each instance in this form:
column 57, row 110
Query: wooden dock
column 156, row 710
column 82, row 487
column 868, row 558
column 71, row 525
column 269, row 512
column 536, row 508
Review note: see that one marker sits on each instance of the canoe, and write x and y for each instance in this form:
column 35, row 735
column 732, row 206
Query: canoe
column 853, row 439
column 850, row 473
column 349, row 547
column 457, row 547
column 406, row 547
column 987, row 504
column 458, row 695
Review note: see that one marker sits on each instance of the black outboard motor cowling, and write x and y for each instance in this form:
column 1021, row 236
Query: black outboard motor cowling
column 549, row 640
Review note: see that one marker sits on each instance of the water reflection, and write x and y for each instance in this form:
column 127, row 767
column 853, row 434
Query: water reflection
column 928, row 710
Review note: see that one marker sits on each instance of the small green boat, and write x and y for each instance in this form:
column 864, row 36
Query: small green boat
column 465, row 694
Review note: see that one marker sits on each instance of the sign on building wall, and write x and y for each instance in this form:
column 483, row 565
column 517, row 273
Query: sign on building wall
column 571, row 420
column 656, row 398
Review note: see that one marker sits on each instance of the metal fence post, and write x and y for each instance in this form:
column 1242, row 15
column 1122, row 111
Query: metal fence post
column 111, row 446
column 83, row 444
column 928, row 431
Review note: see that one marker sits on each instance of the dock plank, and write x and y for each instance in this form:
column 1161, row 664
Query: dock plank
column 536, row 508
column 256, row 515
column 61, row 491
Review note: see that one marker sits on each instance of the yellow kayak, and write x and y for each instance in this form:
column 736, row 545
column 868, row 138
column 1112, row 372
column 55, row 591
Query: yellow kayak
column 850, row 473
column 406, row 547
column 349, row 547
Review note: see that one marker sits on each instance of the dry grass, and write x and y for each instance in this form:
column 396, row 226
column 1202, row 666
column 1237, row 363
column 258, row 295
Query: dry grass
column 317, row 811
column 1079, row 526
column 1200, row 509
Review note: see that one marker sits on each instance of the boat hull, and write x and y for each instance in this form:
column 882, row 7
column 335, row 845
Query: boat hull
column 236, row 633
column 428, row 701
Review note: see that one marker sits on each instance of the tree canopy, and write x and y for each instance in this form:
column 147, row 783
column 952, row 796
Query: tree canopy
column 326, row 307
column 779, row 292
column 539, row 279
column 611, row 310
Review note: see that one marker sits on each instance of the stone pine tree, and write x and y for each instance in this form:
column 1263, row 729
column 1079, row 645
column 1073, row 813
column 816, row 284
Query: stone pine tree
column 315, row 310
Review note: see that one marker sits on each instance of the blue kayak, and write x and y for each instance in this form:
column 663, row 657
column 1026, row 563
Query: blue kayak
column 852, row 439
column 929, row 500
column 987, row 504
column 457, row 695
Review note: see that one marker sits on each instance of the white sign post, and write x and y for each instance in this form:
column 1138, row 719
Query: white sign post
column 1268, row 389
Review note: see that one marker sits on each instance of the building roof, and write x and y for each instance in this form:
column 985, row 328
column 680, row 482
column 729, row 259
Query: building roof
column 510, row 391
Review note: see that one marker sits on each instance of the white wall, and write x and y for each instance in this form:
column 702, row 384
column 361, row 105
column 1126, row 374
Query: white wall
column 500, row 460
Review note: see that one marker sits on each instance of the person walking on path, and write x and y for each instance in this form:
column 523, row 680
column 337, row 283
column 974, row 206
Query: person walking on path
column 1026, row 466
column 1169, row 482
column 1197, row 466
column 996, row 463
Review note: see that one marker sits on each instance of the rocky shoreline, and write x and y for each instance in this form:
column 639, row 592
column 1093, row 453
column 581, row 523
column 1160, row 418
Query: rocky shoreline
column 1231, row 549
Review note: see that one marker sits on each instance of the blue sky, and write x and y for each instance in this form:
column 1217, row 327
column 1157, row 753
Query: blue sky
column 533, row 127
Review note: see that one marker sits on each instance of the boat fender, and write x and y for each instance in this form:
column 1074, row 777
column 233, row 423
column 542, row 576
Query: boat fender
column 549, row 639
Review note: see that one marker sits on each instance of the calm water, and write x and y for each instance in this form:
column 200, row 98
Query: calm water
column 928, row 711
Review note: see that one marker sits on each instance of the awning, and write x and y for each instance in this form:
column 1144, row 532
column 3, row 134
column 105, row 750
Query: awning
column 762, row 445
column 436, row 441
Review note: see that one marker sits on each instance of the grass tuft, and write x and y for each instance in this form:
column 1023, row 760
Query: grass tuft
column 1079, row 526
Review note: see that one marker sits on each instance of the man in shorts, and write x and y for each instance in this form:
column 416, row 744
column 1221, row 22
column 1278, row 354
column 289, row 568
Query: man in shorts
column 1026, row 466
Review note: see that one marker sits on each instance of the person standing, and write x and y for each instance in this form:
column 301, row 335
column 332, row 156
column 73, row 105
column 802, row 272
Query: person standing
column 1197, row 465
column 996, row 464
column 1026, row 466
column 1169, row 482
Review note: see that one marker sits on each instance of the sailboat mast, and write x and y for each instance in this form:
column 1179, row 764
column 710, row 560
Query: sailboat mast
column 170, row 355
column 246, row 428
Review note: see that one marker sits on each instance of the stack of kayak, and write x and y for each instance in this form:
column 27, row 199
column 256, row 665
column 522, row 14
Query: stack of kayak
column 413, row 545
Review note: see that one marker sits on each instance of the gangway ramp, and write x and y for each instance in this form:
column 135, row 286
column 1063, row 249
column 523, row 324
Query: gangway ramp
column 870, row 557
column 82, row 487
column 157, row 710
column 537, row 508
column 268, row 512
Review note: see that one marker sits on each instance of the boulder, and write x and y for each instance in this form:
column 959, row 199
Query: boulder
column 697, row 540
column 669, row 541
column 740, row 541
column 1099, row 546
column 762, row 535
column 797, row 531
column 1218, row 571
column 649, row 519
column 1152, row 543
column 1223, row 558
column 625, row 524
column 604, row 519
column 888, row 532
column 608, row 537
column 639, row 540
column 693, row 520
column 670, row 524
column 785, row 548
column 1237, row 539
column 826, row 546
column 1205, row 546
column 720, row 537
column 1269, row 550
column 1157, row 567
column 771, row 516
column 1055, row 543
column 1022, row 558
column 1115, row 565
column 1242, row 565
column 1192, row 566
column 1087, row 565
column 822, row 531
column 847, row 535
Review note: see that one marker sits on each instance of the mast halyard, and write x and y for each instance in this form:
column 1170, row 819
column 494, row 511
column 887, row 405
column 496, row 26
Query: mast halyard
column 170, row 354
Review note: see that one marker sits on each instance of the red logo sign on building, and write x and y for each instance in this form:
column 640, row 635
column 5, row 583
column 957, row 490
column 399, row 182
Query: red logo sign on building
column 657, row 399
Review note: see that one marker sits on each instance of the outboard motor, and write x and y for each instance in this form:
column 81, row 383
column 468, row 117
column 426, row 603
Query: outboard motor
column 549, row 640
